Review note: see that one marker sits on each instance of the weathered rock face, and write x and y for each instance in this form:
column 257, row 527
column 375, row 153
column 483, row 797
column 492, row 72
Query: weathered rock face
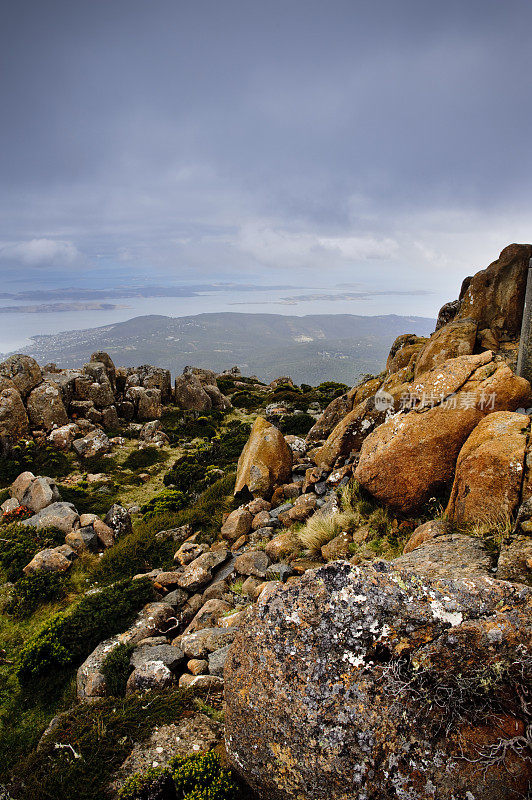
column 23, row 371
column 453, row 340
column 107, row 361
column 368, row 682
column 403, row 350
column 349, row 433
column 45, row 407
column 339, row 407
column 412, row 456
column 515, row 560
column 495, row 296
column 14, row 423
column 489, row 470
column 147, row 402
column 265, row 462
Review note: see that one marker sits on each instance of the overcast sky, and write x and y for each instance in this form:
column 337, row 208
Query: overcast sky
column 386, row 144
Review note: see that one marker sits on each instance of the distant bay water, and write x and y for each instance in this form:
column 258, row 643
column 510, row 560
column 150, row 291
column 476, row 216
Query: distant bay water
column 17, row 328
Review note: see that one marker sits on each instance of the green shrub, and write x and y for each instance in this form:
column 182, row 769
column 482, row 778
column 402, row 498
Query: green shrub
column 26, row 455
column 228, row 445
column 116, row 669
column 140, row 459
column 167, row 500
column 156, row 782
column 137, row 552
column 94, row 498
column 206, row 513
column 296, row 424
column 69, row 636
column 201, row 777
column 249, row 400
column 34, row 589
column 101, row 733
column 19, row 545
column 188, row 471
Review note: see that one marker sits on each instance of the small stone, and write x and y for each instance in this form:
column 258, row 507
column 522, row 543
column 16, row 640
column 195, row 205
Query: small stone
column 252, row 562
column 198, row 666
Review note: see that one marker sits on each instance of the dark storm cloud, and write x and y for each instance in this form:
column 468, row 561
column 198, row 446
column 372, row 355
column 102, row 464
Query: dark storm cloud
column 383, row 141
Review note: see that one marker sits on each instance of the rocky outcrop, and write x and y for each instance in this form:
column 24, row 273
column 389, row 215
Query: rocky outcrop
column 14, row 422
column 379, row 682
column 495, row 296
column 45, row 407
column 453, row 340
column 23, row 371
column 489, row 470
column 412, row 456
column 339, row 407
column 265, row 462
column 196, row 390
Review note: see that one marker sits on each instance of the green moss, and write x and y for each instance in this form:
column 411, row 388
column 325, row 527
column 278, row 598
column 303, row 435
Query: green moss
column 155, row 783
column 69, row 636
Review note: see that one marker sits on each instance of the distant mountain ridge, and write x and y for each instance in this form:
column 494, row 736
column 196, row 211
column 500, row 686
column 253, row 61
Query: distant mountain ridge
column 311, row 348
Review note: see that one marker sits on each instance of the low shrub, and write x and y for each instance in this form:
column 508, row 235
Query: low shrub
column 156, row 782
column 140, row 459
column 296, row 424
column 167, row 500
column 116, row 669
column 94, row 498
column 17, row 515
column 70, row 635
column 27, row 455
column 20, row 543
column 33, row 590
column 137, row 552
column 187, row 472
column 202, row 777
column 207, row 512
column 84, row 750
column 248, row 400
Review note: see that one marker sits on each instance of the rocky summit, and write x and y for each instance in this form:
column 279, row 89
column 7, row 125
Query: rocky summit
column 218, row 588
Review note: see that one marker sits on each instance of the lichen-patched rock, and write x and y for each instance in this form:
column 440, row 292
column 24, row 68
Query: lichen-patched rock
column 374, row 682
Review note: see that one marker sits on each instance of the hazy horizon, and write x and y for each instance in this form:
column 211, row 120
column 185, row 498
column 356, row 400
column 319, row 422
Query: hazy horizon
column 169, row 144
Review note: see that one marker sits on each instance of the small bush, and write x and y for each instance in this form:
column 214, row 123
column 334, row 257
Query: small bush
column 19, row 545
column 203, row 778
column 248, row 400
column 100, row 733
column 167, row 500
column 94, row 498
column 296, row 424
column 69, row 636
column 140, row 459
column 33, row 590
column 137, row 552
column 187, row 472
column 19, row 513
column 207, row 512
column 26, row 455
column 116, row 669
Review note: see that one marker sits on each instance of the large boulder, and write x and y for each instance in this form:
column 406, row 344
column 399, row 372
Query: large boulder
column 489, row 470
column 412, row 456
column 147, row 402
column 151, row 377
column 104, row 358
column 14, row 424
column 403, row 351
column 190, row 394
column 339, row 407
column 62, row 516
column 40, row 493
column 376, row 682
column 265, row 461
column 455, row 339
column 495, row 296
column 23, row 371
column 45, row 407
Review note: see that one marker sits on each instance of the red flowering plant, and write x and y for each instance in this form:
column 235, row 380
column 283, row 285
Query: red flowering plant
column 19, row 513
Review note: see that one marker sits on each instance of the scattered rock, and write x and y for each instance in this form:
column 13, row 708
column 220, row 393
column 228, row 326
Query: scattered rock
column 265, row 462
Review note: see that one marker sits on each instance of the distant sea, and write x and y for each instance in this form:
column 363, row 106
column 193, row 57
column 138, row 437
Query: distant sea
column 17, row 328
